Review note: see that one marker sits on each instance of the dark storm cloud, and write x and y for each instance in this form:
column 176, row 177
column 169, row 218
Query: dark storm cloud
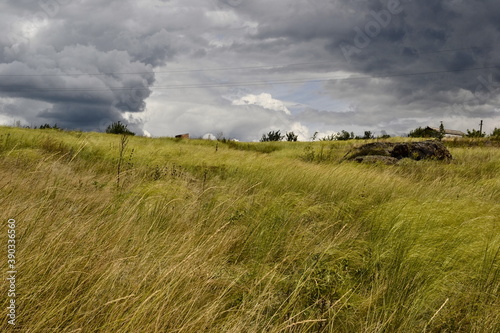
column 51, row 47
column 430, row 30
column 393, row 38
column 403, row 40
column 79, row 100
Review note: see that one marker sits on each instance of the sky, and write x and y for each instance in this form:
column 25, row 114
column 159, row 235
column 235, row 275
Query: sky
column 242, row 68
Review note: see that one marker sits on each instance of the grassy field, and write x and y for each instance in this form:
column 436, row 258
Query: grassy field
column 159, row 235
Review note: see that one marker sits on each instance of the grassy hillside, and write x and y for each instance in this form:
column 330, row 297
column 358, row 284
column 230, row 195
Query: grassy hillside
column 201, row 236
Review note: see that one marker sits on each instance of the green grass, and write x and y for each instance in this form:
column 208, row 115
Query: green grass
column 205, row 236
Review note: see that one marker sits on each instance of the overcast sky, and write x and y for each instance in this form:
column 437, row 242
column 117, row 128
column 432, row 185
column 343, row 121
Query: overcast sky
column 245, row 67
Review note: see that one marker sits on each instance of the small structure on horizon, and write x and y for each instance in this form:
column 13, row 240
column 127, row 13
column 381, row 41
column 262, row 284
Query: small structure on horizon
column 182, row 136
column 448, row 133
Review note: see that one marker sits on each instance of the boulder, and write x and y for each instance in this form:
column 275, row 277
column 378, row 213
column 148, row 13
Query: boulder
column 374, row 148
column 431, row 149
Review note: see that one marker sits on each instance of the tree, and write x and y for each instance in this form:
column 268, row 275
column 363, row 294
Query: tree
column 315, row 135
column 420, row 132
column 47, row 126
column 220, row 136
column 344, row 135
column 496, row 133
column 368, row 135
column 441, row 131
column 118, row 128
column 290, row 136
column 272, row 136
column 475, row 134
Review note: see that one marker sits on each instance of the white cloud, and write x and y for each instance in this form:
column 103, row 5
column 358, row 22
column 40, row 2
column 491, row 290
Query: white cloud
column 209, row 136
column 327, row 134
column 300, row 130
column 264, row 100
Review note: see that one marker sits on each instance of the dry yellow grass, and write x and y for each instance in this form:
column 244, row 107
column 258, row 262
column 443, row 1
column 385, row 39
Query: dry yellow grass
column 247, row 237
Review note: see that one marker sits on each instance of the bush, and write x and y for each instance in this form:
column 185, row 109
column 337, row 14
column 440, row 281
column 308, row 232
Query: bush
column 272, row 136
column 420, row 132
column 474, row 134
column 368, row 135
column 344, row 136
column 291, row 136
column 118, row 128
column 47, row 126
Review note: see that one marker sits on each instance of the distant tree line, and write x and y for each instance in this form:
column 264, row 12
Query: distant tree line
column 277, row 136
column 419, row 132
column 343, row 135
column 113, row 128
column 477, row 134
column 45, row 126
column 428, row 132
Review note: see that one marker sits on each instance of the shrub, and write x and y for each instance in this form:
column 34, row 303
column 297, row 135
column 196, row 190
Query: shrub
column 368, row 135
column 344, row 135
column 427, row 132
column 272, row 136
column 291, row 136
column 118, row 128
column 47, row 126
column 474, row 134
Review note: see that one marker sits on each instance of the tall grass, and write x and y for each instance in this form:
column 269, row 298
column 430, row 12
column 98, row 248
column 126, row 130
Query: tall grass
column 247, row 238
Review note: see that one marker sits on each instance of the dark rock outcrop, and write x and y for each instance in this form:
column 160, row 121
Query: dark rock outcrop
column 433, row 150
column 389, row 152
column 375, row 148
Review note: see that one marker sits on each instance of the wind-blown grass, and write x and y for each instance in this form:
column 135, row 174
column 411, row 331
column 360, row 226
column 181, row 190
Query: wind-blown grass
column 203, row 236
